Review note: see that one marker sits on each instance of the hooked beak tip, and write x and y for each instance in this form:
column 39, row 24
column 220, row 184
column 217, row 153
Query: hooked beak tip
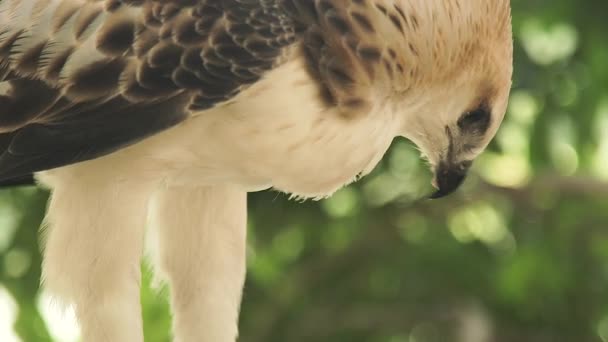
column 448, row 179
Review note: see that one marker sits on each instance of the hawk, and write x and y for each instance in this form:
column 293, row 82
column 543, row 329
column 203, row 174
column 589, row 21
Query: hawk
column 168, row 112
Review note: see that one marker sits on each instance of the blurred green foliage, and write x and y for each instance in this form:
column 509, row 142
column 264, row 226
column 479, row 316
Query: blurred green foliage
column 520, row 254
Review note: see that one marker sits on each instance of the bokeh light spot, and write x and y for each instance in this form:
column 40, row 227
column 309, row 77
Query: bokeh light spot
column 17, row 262
column 548, row 44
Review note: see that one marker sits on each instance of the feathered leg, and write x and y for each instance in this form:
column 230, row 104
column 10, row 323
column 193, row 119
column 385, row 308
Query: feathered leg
column 92, row 255
column 202, row 246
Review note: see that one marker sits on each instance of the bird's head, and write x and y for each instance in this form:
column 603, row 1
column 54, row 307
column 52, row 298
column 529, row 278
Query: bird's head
column 457, row 97
column 452, row 129
column 441, row 69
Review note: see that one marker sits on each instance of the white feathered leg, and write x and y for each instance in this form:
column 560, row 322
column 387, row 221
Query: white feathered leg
column 92, row 255
column 202, row 246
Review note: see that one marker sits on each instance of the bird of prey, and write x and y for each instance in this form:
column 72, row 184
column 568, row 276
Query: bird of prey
column 165, row 113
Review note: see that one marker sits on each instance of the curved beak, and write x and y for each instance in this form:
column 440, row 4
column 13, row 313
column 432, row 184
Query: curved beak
column 448, row 177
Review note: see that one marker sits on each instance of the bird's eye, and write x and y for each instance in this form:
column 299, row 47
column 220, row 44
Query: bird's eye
column 476, row 120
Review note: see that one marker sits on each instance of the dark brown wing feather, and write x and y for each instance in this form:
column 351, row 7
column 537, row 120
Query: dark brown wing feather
column 107, row 73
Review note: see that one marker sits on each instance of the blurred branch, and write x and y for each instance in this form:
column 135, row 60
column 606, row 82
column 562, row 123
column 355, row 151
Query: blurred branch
column 567, row 185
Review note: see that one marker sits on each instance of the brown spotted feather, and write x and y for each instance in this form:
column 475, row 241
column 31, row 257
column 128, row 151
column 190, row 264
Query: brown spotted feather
column 82, row 78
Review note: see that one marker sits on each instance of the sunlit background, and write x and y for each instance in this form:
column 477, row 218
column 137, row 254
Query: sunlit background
column 520, row 254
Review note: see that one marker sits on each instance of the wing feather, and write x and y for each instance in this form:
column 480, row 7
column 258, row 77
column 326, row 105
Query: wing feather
column 83, row 78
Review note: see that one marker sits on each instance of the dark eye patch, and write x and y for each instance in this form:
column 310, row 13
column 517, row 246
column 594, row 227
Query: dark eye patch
column 476, row 121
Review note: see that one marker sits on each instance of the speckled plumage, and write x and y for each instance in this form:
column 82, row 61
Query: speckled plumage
column 105, row 64
column 164, row 113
